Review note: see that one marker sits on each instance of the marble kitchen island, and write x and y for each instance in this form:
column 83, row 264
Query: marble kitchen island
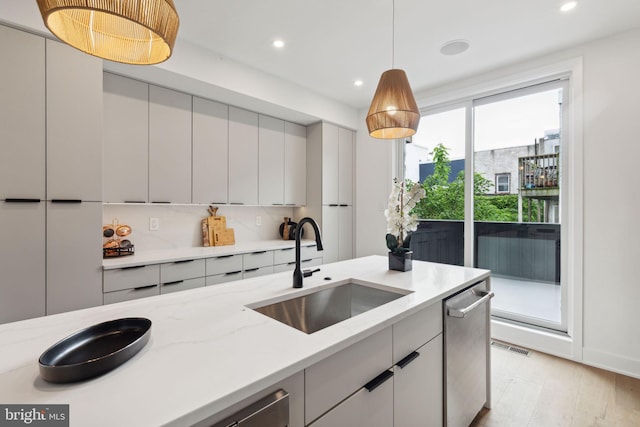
column 207, row 350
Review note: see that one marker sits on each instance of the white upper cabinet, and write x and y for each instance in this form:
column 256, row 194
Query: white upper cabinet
column 22, row 115
column 337, row 165
column 169, row 146
column 210, row 151
column 126, row 140
column 243, row 157
column 271, row 161
column 345, row 167
column 330, row 169
column 74, row 124
column 295, row 171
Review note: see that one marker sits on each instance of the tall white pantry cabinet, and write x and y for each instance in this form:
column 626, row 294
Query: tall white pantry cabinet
column 330, row 188
column 50, row 177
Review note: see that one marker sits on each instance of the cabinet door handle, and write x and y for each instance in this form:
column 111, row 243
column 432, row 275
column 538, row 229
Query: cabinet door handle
column 343, row 206
column 333, row 205
column 161, row 202
column 177, row 282
column 66, row 201
column 184, row 261
column 250, row 270
column 141, row 288
column 133, row 267
column 224, row 256
column 378, row 381
column 258, row 252
column 287, row 249
column 237, row 203
column 134, row 201
column 410, row 358
column 231, row 273
column 22, row 200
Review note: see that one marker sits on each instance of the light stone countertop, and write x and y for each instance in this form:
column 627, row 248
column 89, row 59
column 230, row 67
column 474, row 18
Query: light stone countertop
column 180, row 254
column 207, row 350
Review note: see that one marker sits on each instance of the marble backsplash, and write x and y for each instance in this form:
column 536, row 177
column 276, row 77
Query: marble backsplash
column 180, row 224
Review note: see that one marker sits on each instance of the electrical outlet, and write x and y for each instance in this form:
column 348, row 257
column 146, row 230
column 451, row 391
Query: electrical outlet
column 154, row 224
column 258, row 220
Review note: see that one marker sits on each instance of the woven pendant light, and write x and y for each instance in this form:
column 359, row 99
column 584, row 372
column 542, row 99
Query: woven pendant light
column 393, row 113
column 139, row 32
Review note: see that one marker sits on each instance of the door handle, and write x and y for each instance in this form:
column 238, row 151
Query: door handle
column 410, row 358
column 378, row 381
column 461, row 312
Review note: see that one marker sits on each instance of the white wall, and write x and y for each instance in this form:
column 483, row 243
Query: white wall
column 374, row 162
column 610, row 288
column 612, row 208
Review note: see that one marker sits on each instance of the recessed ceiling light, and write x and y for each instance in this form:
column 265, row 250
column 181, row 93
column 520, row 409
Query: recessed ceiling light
column 278, row 43
column 568, row 6
column 454, row 47
column 358, row 83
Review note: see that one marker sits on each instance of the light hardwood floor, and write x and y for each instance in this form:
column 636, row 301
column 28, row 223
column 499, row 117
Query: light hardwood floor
column 547, row 391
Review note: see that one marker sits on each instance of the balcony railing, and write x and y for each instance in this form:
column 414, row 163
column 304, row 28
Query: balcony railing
column 528, row 251
column 539, row 175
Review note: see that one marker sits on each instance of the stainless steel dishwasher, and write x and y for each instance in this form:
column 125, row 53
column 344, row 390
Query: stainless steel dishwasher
column 467, row 357
column 270, row 411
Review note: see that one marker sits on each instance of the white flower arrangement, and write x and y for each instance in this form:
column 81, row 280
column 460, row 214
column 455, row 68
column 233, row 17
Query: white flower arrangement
column 400, row 221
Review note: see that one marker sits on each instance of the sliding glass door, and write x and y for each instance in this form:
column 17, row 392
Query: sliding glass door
column 510, row 147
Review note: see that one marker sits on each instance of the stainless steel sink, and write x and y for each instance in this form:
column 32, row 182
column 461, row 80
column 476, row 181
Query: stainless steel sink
column 317, row 310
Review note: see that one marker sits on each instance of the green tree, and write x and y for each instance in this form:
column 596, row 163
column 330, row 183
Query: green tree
column 445, row 200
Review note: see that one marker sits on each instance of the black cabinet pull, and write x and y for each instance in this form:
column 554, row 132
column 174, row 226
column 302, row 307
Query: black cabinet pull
column 141, row 288
column 276, row 204
column 224, row 256
column 133, row 267
column 184, row 261
column 410, row 358
column 22, row 200
column 251, row 270
column 134, row 201
column 218, row 203
column 287, row 249
column 333, row 205
column 162, row 203
column 378, row 381
column 231, row 273
column 258, row 253
column 343, row 206
column 177, row 282
column 237, row 203
column 66, row 201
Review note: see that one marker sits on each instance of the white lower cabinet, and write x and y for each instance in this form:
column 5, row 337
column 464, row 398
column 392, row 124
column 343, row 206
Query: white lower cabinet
column 332, row 380
column 337, row 233
column 128, row 283
column 22, row 260
column 358, row 386
column 74, row 256
column 418, row 387
column 182, row 285
column 131, row 294
column 365, row 408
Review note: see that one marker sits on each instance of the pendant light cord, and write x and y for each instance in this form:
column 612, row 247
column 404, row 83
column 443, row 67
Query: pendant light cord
column 393, row 33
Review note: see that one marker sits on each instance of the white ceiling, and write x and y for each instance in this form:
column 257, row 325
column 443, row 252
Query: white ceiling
column 331, row 43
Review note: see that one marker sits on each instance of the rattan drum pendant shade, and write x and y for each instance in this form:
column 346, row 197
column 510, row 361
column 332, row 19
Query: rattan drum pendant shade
column 393, row 113
column 139, row 32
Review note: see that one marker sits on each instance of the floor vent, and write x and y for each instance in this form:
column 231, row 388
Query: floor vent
column 508, row 347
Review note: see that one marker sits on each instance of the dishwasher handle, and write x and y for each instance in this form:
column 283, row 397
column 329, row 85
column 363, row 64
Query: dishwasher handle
column 461, row 312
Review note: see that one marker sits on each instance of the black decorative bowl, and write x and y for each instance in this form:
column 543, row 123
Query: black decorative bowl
column 95, row 350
